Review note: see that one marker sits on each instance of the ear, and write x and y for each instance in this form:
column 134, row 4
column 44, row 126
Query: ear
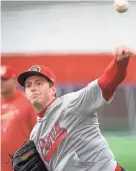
column 54, row 89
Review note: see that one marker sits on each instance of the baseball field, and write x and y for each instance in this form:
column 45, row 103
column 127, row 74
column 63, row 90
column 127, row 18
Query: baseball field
column 124, row 149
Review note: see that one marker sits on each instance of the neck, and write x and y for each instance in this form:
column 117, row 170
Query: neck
column 39, row 107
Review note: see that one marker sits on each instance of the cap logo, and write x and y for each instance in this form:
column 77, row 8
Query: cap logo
column 35, row 68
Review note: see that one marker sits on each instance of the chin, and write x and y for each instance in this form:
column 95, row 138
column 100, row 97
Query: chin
column 35, row 102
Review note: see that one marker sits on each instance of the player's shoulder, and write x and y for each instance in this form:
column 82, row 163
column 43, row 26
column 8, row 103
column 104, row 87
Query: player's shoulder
column 93, row 83
column 66, row 98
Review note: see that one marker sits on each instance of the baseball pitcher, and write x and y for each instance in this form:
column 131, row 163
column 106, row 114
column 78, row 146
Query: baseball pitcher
column 67, row 135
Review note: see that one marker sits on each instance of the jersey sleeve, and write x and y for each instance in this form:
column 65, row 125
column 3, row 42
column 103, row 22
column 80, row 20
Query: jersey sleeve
column 86, row 100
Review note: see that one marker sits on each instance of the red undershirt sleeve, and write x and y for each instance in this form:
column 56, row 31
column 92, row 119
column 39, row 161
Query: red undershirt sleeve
column 114, row 74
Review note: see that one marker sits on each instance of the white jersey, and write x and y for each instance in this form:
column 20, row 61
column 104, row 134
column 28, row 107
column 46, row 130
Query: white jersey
column 68, row 137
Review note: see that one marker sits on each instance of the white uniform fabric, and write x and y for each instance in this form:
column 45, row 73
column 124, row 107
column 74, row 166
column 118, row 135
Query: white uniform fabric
column 68, row 137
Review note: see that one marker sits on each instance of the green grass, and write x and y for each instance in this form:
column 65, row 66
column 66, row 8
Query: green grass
column 124, row 149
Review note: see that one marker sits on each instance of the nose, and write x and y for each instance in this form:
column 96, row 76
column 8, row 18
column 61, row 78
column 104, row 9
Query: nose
column 33, row 88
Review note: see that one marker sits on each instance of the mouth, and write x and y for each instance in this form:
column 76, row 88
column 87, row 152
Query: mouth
column 34, row 96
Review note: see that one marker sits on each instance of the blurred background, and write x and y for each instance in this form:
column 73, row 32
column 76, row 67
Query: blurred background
column 76, row 39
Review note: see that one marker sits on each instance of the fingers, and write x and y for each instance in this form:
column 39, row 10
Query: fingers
column 123, row 53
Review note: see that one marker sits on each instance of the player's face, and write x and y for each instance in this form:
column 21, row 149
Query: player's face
column 7, row 85
column 39, row 91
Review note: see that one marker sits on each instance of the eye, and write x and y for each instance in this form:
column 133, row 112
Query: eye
column 39, row 83
column 27, row 86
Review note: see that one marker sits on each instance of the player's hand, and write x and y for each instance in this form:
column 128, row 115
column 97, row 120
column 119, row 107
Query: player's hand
column 122, row 53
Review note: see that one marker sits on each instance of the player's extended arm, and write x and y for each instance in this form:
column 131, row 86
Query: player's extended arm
column 115, row 73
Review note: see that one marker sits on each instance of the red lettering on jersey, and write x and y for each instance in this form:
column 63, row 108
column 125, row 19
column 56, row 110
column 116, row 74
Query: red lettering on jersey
column 58, row 129
column 42, row 144
column 55, row 146
column 52, row 141
column 53, row 134
column 48, row 143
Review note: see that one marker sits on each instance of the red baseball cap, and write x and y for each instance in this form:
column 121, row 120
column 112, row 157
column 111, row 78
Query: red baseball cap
column 7, row 72
column 39, row 71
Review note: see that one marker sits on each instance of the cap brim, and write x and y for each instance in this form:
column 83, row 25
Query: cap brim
column 23, row 77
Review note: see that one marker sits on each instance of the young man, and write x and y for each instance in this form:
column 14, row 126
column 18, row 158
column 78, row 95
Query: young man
column 17, row 116
column 67, row 136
